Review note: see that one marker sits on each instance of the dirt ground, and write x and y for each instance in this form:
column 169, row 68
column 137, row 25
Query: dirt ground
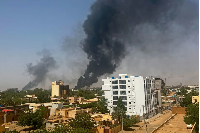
column 175, row 125
column 154, row 122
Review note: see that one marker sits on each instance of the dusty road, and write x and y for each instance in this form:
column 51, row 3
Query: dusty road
column 152, row 124
column 175, row 125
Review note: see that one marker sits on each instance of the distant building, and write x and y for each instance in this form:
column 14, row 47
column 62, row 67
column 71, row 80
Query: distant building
column 137, row 94
column 59, row 89
column 159, row 83
column 193, row 86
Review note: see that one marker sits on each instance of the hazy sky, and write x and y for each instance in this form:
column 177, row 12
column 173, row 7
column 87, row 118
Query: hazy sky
column 27, row 27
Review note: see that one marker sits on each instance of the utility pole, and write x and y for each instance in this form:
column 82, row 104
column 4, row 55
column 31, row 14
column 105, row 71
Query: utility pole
column 146, row 128
column 143, row 114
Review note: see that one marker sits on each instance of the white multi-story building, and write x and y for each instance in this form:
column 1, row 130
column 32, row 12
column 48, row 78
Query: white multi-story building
column 137, row 93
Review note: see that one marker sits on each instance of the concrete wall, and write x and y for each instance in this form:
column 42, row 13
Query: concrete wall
column 178, row 110
column 51, row 125
column 9, row 117
column 2, row 128
column 113, row 130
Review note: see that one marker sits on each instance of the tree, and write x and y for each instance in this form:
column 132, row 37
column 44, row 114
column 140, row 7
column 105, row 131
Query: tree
column 192, row 115
column 11, row 98
column 129, row 122
column 120, row 111
column 101, row 106
column 82, row 120
column 88, row 105
column 33, row 119
column 188, row 99
column 164, row 92
column 99, row 92
column 43, row 96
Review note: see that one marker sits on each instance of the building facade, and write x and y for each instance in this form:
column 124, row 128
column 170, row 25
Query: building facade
column 59, row 89
column 137, row 93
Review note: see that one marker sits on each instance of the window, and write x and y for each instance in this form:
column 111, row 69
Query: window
column 124, row 97
column 122, row 86
column 129, row 102
column 129, row 108
column 128, row 86
column 129, row 92
column 128, row 80
column 115, row 87
column 115, row 92
column 114, row 102
column 115, row 82
column 122, row 92
column 122, row 81
column 115, row 97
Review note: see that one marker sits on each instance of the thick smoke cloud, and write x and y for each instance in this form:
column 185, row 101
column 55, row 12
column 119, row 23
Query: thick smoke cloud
column 114, row 27
column 41, row 69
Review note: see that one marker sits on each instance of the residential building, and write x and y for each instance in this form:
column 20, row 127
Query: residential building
column 59, row 89
column 137, row 94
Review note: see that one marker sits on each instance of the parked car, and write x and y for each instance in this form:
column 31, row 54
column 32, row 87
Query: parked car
column 189, row 126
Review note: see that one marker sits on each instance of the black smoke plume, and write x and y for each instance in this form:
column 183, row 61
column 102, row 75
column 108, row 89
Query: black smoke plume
column 111, row 23
column 40, row 70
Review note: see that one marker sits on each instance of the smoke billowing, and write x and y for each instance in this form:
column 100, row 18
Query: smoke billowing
column 40, row 70
column 114, row 27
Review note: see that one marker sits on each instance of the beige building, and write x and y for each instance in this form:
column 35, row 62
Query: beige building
column 195, row 99
column 59, row 89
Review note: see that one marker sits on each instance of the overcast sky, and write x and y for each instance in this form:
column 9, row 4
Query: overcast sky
column 28, row 27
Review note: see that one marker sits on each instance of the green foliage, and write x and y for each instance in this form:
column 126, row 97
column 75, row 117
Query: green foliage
column 101, row 106
column 164, row 92
column 183, row 91
column 188, row 99
column 99, row 92
column 82, row 120
column 87, row 94
column 32, row 119
column 11, row 98
column 120, row 111
column 129, row 122
column 192, row 115
column 88, row 105
column 63, row 128
column 43, row 96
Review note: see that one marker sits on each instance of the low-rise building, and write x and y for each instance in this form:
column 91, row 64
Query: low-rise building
column 195, row 99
